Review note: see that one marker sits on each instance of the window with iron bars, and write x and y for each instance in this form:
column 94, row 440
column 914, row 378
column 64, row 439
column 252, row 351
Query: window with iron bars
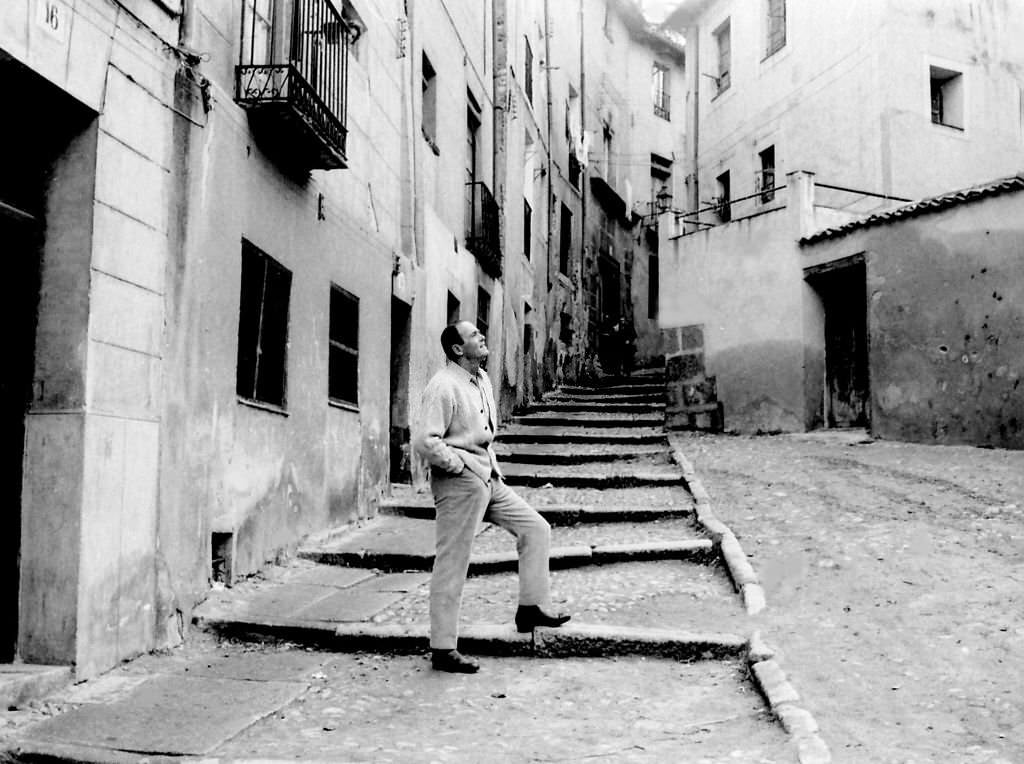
column 294, row 56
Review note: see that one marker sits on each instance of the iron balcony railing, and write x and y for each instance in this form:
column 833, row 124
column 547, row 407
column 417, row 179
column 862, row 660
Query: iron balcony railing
column 302, row 81
column 482, row 234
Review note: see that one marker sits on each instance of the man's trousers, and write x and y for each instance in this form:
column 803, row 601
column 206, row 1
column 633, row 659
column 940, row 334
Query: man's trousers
column 462, row 501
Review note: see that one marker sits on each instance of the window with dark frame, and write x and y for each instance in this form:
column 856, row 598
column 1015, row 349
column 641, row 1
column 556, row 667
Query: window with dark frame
column 343, row 363
column 483, row 310
column 723, row 42
column 766, row 176
column 429, row 105
column 527, row 229
column 565, row 332
column 947, row 97
column 528, row 71
column 564, row 240
column 659, row 90
column 724, row 191
column 262, row 328
column 776, row 27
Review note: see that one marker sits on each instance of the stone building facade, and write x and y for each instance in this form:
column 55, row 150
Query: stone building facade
column 238, row 229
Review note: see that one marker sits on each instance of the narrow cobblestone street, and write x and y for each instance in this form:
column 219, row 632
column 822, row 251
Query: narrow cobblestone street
column 890, row 572
column 893, row 576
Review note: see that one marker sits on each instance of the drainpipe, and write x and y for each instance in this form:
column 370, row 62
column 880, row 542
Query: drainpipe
column 583, row 294
column 549, row 163
column 693, row 67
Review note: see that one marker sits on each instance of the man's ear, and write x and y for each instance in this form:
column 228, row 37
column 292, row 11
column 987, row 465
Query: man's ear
column 457, row 349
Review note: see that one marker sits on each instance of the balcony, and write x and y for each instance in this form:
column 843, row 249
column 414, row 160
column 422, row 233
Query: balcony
column 296, row 93
column 661, row 106
column 483, row 238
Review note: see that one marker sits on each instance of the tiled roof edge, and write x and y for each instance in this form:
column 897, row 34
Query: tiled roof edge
column 923, row 207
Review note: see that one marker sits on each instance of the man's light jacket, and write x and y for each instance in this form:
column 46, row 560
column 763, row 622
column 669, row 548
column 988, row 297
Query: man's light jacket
column 457, row 421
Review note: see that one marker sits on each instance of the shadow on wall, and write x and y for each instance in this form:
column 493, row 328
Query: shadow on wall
column 760, row 386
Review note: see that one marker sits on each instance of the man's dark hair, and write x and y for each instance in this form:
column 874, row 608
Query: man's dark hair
column 451, row 336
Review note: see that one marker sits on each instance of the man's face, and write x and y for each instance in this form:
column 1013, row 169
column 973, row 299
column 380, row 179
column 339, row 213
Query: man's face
column 474, row 344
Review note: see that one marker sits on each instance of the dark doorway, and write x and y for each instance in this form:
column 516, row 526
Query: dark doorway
column 32, row 143
column 399, row 427
column 609, row 311
column 843, row 292
column 20, row 237
column 611, row 305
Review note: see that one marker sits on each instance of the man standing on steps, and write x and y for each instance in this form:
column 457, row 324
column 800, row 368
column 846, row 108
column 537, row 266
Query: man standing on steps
column 454, row 435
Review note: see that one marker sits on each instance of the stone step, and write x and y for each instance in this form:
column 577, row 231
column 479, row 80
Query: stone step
column 558, row 396
column 21, row 683
column 561, row 558
column 645, row 388
column 579, row 453
column 421, row 506
column 532, row 433
column 592, row 476
column 590, row 420
column 597, row 407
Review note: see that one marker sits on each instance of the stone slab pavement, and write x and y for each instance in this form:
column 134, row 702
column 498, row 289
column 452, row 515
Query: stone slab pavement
column 360, row 707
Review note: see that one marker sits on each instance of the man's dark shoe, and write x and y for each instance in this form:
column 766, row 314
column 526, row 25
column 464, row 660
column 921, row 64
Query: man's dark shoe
column 530, row 616
column 452, row 661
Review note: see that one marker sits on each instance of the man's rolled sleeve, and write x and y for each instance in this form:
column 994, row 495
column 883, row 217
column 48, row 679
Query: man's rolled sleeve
column 435, row 418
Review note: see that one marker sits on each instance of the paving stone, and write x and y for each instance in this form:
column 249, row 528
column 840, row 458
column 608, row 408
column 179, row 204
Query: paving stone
column 812, row 750
column 355, row 604
column 284, row 600
column 796, row 721
column 773, row 683
column 331, row 575
column 169, row 714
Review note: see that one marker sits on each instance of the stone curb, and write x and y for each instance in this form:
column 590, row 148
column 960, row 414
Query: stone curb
column 571, row 641
column 555, row 515
column 736, row 562
column 561, row 558
column 782, row 698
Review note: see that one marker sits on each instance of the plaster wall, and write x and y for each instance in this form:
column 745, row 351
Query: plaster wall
column 945, row 322
column 980, row 39
column 742, row 284
column 270, row 476
column 847, row 97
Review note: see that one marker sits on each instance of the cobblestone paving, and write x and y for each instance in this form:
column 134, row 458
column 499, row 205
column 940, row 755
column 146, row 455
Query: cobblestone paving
column 665, row 594
column 371, row 708
column 893, row 574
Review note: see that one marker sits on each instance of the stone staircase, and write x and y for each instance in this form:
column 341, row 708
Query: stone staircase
column 607, row 436
column 569, row 455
